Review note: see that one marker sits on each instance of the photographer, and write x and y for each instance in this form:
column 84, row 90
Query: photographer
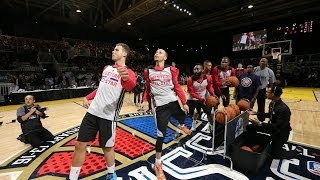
column 29, row 117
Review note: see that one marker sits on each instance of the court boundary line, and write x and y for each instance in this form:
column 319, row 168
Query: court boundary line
column 314, row 94
column 304, row 144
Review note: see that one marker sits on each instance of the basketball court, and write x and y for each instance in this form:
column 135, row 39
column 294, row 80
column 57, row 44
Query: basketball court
column 135, row 144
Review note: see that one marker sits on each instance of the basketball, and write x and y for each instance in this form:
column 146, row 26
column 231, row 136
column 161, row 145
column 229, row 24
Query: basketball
column 212, row 101
column 231, row 113
column 255, row 148
column 246, row 148
column 278, row 67
column 243, row 104
column 235, row 107
column 234, row 81
column 220, row 117
column 278, row 75
column 278, row 71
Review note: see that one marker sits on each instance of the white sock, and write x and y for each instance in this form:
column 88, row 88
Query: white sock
column 74, row 173
column 111, row 169
column 158, row 161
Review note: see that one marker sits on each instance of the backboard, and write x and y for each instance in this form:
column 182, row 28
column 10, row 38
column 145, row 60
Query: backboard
column 285, row 48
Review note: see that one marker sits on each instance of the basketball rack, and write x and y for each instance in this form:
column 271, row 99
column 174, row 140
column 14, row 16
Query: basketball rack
column 213, row 151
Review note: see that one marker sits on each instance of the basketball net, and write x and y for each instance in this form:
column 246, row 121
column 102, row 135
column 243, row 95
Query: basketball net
column 276, row 55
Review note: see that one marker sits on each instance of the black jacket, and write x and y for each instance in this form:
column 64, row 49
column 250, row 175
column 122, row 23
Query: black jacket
column 279, row 115
column 33, row 123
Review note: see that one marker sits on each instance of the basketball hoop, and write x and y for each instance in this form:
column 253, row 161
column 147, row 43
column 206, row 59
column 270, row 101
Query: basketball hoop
column 276, row 55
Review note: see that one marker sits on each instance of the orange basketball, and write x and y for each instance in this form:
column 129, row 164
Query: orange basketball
column 234, row 81
column 231, row 113
column 278, row 71
column 255, row 148
column 278, row 75
column 235, row 107
column 246, row 148
column 220, row 117
column 212, row 101
column 244, row 104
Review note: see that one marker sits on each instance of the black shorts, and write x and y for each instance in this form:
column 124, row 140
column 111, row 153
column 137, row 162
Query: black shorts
column 91, row 124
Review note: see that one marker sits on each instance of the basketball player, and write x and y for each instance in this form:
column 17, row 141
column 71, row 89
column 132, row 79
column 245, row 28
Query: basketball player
column 267, row 77
column 199, row 85
column 220, row 76
column 249, row 86
column 240, row 70
column 279, row 125
column 207, row 65
column 103, row 111
column 162, row 83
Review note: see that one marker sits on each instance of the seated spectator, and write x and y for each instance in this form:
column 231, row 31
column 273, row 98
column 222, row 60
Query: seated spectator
column 29, row 117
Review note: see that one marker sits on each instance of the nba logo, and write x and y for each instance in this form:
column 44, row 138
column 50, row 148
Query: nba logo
column 313, row 167
column 239, row 127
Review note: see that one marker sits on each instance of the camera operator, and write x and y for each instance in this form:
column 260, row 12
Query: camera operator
column 29, row 117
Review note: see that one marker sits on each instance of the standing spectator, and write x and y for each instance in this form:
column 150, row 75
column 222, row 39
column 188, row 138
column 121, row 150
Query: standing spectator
column 138, row 89
column 267, row 78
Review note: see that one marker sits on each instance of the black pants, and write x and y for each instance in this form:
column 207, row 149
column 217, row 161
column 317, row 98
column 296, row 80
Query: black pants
column 261, row 100
column 279, row 138
column 163, row 114
column 226, row 93
column 198, row 105
column 36, row 137
column 137, row 97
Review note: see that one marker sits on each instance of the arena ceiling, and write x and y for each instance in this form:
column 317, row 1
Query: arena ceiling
column 160, row 16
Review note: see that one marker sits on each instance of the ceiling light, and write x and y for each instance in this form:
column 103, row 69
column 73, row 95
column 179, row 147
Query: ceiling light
column 78, row 11
column 129, row 24
column 180, row 9
column 165, row 2
column 177, row 7
column 94, row 26
column 190, row 14
column 250, row 6
column 174, row 5
column 184, row 10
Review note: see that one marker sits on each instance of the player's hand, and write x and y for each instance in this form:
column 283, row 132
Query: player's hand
column 144, row 105
column 254, row 121
column 223, row 97
column 123, row 72
column 253, row 100
column 227, row 83
column 186, row 108
column 203, row 101
column 86, row 103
